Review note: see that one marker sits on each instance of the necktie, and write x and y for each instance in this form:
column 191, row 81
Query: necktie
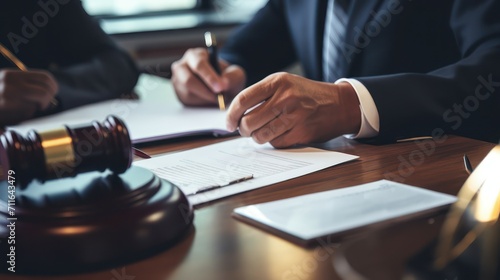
column 335, row 28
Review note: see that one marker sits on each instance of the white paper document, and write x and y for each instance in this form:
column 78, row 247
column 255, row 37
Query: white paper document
column 231, row 160
column 331, row 212
column 157, row 115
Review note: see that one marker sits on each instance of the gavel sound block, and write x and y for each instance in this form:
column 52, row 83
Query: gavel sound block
column 92, row 220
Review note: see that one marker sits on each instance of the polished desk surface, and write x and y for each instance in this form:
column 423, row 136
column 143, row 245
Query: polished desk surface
column 221, row 247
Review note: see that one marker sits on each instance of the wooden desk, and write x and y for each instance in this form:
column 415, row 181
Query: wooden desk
column 220, row 247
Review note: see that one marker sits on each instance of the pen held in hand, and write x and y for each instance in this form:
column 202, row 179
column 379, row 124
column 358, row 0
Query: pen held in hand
column 21, row 66
column 12, row 58
column 211, row 44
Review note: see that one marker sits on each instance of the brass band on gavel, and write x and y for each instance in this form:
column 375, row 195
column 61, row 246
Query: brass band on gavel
column 67, row 151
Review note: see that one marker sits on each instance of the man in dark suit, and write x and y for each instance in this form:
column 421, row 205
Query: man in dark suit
column 416, row 68
column 71, row 61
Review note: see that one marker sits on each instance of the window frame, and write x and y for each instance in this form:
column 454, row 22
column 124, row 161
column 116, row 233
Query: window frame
column 201, row 6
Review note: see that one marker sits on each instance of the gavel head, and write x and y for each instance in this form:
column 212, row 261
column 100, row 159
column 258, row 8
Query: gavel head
column 67, row 151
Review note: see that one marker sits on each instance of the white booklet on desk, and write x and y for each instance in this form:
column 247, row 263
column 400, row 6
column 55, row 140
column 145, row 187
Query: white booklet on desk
column 157, row 115
column 341, row 211
column 232, row 160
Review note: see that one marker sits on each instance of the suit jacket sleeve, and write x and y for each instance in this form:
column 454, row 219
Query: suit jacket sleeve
column 91, row 67
column 263, row 46
column 462, row 98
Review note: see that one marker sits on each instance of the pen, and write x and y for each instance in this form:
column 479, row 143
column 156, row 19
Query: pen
column 210, row 188
column 20, row 65
column 211, row 44
column 12, row 58
column 140, row 153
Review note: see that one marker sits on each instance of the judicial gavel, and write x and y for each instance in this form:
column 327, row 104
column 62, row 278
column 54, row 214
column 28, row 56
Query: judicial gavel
column 67, row 151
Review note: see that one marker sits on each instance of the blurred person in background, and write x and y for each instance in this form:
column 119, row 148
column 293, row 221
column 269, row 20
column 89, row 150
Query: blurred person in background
column 71, row 62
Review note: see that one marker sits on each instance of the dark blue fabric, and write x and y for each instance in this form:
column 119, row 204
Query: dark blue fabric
column 59, row 36
column 427, row 59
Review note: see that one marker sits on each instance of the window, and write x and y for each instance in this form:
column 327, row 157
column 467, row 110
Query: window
column 134, row 7
column 136, row 16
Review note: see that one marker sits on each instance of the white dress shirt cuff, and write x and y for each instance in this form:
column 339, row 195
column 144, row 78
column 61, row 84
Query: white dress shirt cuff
column 370, row 123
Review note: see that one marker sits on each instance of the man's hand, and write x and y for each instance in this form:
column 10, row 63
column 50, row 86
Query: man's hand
column 22, row 94
column 295, row 110
column 196, row 82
